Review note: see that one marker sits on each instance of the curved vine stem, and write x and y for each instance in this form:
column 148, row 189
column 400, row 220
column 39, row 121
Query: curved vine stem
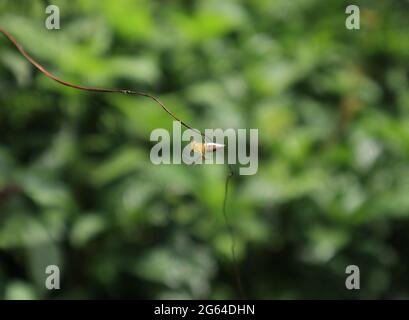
column 50, row 75
column 232, row 234
column 92, row 89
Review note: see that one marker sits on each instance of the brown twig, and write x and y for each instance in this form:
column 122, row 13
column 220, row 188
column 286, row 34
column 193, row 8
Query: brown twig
column 7, row 191
column 93, row 89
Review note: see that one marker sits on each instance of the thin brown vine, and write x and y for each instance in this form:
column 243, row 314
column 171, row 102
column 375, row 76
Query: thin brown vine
column 50, row 75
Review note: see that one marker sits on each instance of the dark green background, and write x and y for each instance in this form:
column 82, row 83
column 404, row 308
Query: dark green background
column 77, row 188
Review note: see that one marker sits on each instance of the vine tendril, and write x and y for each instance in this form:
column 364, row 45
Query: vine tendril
column 93, row 89
column 232, row 234
column 50, row 75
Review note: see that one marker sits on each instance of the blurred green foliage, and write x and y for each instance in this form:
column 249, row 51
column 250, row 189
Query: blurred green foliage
column 332, row 108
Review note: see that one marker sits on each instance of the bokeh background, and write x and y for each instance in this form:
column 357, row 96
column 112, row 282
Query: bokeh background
column 77, row 188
